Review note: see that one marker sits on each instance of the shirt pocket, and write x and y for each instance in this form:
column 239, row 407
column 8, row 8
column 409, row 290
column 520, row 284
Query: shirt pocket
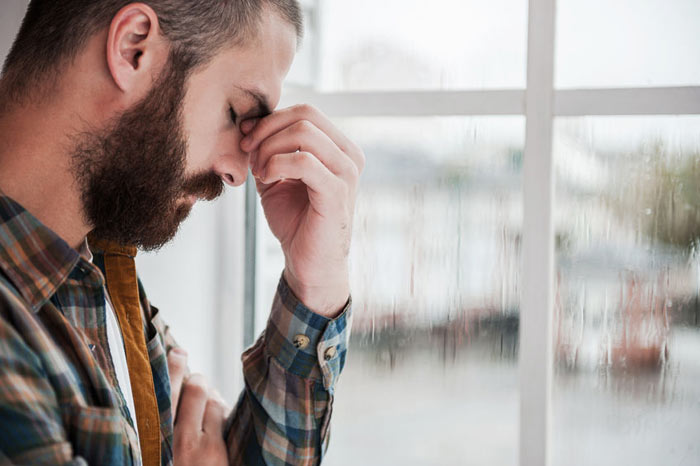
column 98, row 435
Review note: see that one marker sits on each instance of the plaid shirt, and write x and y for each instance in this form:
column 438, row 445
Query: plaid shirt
column 60, row 402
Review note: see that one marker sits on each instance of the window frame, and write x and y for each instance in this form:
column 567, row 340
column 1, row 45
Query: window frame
column 540, row 103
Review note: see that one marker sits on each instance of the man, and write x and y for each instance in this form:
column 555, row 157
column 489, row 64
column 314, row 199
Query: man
column 115, row 117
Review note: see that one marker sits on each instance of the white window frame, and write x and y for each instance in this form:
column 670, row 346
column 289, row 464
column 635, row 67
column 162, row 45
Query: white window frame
column 539, row 103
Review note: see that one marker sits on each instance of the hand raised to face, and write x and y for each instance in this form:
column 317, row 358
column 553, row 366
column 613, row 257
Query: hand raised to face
column 307, row 173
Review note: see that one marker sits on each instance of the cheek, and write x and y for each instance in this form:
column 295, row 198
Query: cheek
column 227, row 142
column 204, row 119
column 202, row 131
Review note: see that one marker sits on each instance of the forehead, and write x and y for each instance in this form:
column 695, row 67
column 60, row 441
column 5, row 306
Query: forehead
column 260, row 64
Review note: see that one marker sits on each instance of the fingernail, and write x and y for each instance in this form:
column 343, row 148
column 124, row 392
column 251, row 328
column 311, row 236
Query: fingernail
column 179, row 351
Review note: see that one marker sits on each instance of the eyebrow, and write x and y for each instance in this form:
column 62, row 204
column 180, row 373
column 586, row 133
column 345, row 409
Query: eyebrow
column 262, row 107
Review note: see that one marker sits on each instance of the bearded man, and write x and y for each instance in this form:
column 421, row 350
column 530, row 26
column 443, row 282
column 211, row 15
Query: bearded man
column 115, row 117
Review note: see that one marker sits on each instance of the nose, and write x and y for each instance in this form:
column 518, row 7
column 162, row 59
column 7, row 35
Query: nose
column 229, row 179
column 233, row 169
column 232, row 165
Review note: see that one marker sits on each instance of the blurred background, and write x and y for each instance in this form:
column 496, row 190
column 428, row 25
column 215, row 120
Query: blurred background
column 432, row 375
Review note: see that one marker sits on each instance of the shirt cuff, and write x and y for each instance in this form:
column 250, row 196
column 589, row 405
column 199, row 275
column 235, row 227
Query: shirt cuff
column 304, row 343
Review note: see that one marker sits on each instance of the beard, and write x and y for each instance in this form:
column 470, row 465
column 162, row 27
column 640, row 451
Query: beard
column 131, row 175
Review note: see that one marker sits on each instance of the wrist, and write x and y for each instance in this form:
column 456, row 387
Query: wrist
column 327, row 299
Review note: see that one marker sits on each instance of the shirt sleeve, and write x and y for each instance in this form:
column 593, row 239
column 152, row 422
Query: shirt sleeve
column 283, row 414
column 32, row 429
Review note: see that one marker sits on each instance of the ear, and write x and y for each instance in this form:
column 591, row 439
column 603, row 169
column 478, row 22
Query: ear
column 135, row 50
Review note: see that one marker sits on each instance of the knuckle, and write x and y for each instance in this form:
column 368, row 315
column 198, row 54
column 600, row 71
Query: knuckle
column 195, row 391
column 196, row 387
column 304, row 157
column 214, row 406
column 358, row 154
column 354, row 148
column 354, row 173
column 303, row 127
column 306, row 110
column 177, row 363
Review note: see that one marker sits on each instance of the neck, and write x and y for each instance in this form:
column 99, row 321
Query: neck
column 35, row 166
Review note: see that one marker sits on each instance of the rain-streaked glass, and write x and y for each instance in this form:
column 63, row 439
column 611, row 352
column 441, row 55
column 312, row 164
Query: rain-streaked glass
column 627, row 43
column 414, row 44
column 431, row 376
column 627, row 306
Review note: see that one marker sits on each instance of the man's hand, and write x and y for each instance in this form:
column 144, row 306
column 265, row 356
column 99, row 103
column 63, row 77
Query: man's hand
column 307, row 173
column 199, row 414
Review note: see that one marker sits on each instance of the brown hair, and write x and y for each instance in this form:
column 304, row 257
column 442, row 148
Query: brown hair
column 53, row 32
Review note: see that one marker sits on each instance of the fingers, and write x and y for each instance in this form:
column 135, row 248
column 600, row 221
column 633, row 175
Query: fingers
column 281, row 119
column 301, row 166
column 306, row 137
column 177, row 368
column 248, row 125
column 190, row 412
column 214, row 414
column 198, row 431
column 201, row 408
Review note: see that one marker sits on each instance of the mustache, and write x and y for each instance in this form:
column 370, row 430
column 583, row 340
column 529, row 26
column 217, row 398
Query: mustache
column 206, row 186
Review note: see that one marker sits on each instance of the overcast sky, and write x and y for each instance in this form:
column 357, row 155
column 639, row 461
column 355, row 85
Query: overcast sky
column 478, row 44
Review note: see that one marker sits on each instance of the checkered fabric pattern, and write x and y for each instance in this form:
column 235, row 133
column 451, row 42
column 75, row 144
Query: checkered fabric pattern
column 60, row 402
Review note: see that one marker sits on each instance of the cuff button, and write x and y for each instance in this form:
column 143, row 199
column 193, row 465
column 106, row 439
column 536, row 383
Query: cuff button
column 301, row 341
column 330, row 353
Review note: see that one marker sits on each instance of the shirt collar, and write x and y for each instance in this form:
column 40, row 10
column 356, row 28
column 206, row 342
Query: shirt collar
column 108, row 247
column 85, row 251
column 34, row 258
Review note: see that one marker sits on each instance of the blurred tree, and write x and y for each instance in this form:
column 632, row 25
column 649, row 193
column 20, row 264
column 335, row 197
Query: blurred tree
column 662, row 195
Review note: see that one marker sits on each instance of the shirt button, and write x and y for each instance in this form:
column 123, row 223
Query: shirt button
column 301, row 341
column 330, row 353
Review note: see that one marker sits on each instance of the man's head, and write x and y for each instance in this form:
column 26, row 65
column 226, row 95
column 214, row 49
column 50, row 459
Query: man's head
column 166, row 85
column 55, row 32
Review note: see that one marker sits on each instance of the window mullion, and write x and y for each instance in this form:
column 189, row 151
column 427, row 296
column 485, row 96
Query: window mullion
column 569, row 102
column 412, row 103
column 643, row 101
column 536, row 309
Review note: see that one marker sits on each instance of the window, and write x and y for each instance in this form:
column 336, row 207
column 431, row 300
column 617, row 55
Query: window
column 627, row 43
column 524, row 266
column 397, row 44
column 626, row 310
